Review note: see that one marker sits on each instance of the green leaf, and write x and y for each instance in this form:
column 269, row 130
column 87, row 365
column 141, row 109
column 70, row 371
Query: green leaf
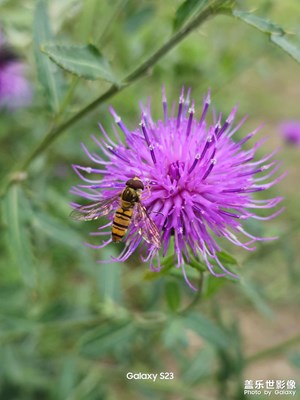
column 12, row 361
column 15, row 212
column 255, row 294
column 167, row 264
column 226, row 258
column 197, row 264
column 288, row 47
column 277, row 34
column 58, row 310
column 207, row 330
column 212, row 285
column 172, row 292
column 109, row 277
column 49, row 75
column 105, row 339
column 67, row 377
column 58, row 230
column 199, row 366
column 174, row 333
column 20, row 369
column 191, row 274
column 139, row 19
column 84, row 61
column 294, row 359
column 186, row 10
column 258, row 22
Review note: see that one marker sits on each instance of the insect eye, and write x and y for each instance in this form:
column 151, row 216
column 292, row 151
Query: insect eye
column 7, row 55
column 135, row 184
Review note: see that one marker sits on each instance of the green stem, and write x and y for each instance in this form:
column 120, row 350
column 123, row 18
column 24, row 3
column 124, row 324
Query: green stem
column 55, row 132
column 197, row 296
column 271, row 351
column 67, row 99
column 105, row 30
column 214, row 7
column 75, row 80
column 173, row 41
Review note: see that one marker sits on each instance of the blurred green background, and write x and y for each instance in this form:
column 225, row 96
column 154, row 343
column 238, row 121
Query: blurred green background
column 71, row 328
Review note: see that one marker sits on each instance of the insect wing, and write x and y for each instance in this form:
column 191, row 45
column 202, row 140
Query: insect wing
column 145, row 225
column 95, row 210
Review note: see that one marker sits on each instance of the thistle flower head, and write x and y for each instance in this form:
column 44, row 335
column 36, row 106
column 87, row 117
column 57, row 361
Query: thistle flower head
column 15, row 90
column 290, row 131
column 200, row 181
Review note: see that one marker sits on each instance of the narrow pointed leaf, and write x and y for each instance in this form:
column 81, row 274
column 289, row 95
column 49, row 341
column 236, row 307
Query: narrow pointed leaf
column 139, row 19
column 172, row 295
column 85, row 61
column 287, row 46
column 199, row 366
column 167, row 264
column 277, row 34
column 212, row 285
column 67, row 377
column 186, row 10
column 174, row 333
column 258, row 22
column 255, row 294
column 226, row 258
column 48, row 74
column 207, row 330
column 109, row 278
column 18, row 237
column 294, row 359
column 106, row 339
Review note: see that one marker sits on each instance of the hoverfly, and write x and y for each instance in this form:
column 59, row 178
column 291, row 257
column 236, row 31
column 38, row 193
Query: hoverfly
column 129, row 209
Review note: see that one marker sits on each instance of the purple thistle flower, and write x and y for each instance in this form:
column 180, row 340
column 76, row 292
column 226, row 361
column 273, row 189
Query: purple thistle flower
column 290, row 131
column 15, row 90
column 200, row 181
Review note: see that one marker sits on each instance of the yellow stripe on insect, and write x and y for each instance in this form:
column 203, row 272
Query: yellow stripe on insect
column 128, row 201
column 121, row 222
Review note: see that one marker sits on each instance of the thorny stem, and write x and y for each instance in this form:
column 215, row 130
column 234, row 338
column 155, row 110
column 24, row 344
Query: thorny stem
column 214, row 7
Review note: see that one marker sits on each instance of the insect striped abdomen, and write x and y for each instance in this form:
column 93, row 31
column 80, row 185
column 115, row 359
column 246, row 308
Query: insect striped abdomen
column 122, row 219
column 129, row 202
